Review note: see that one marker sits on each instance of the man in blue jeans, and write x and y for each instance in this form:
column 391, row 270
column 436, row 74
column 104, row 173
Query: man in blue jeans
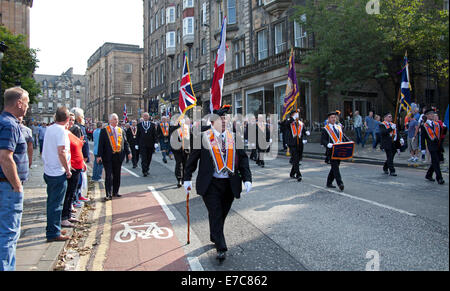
column 56, row 158
column 98, row 168
column 13, row 172
column 369, row 124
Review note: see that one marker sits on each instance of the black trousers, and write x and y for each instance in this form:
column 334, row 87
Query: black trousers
column 296, row 157
column 72, row 185
column 113, row 169
column 135, row 154
column 180, row 162
column 218, row 200
column 335, row 173
column 435, row 166
column 389, row 164
column 146, row 158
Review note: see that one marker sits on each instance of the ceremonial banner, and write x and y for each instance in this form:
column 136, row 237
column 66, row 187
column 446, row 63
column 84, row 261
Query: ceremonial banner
column 405, row 102
column 292, row 91
column 219, row 70
column 343, row 151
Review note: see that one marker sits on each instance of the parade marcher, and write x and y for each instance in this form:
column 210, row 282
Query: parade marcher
column 296, row 141
column 222, row 170
column 263, row 145
column 183, row 138
column 442, row 137
column 146, row 136
column 431, row 133
column 391, row 142
column 133, row 142
column 333, row 134
column 164, row 139
column 112, row 148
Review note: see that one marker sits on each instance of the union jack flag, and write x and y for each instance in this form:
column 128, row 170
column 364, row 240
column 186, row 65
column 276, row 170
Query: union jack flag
column 125, row 114
column 186, row 99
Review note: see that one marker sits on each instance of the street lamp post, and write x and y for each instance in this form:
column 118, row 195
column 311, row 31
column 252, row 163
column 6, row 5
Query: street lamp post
column 3, row 48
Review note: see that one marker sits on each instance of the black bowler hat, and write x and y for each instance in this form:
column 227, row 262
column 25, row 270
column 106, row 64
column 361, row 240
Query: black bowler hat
column 332, row 113
column 430, row 111
column 388, row 113
column 222, row 111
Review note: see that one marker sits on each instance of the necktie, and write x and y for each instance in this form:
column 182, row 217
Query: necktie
column 336, row 131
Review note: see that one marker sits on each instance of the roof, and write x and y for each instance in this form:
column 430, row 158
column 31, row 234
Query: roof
column 108, row 47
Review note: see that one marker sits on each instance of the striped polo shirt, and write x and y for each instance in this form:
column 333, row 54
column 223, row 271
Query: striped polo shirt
column 12, row 139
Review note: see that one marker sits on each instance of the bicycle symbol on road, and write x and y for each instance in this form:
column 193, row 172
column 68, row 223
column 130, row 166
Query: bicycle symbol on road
column 129, row 233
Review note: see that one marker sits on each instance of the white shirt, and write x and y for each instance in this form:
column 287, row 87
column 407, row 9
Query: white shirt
column 55, row 136
column 219, row 136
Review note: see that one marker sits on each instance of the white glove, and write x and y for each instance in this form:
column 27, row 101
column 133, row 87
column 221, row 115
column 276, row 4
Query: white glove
column 402, row 141
column 308, row 133
column 399, row 151
column 330, row 145
column 136, row 147
column 270, row 140
column 394, row 126
column 305, row 141
column 424, row 152
column 248, row 186
column 187, row 186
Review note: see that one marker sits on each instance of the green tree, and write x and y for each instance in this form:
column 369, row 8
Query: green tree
column 18, row 64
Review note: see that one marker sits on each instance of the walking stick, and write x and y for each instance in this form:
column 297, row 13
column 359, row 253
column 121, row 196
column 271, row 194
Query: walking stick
column 188, row 221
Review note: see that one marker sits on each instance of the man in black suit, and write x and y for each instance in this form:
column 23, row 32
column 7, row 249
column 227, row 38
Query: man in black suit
column 220, row 176
column 181, row 144
column 295, row 139
column 431, row 134
column 132, row 140
column 391, row 142
column 332, row 134
column 146, row 137
column 112, row 148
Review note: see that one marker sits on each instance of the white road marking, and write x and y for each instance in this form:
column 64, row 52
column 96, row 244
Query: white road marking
column 131, row 172
column 365, row 200
column 161, row 202
column 195, row 264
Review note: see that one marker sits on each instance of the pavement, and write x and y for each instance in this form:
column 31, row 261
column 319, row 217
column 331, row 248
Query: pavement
column 328, row 231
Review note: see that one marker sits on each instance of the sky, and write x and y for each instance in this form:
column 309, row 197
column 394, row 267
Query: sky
column 68, row 32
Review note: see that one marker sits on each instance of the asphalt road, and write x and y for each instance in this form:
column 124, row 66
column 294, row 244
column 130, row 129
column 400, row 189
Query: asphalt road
column 285, row 225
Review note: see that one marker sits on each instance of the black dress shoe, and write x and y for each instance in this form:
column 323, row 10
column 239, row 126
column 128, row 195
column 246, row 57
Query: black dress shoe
column 441, row 182
column 134, row 167
column 341, row 187
column 179, row 184
column 117, row 195
column 331, row 186
column 430, row 179
column 145, row 174
column 221, row 256
column 108, row 197
column 393, row 174
column 299, row 178
column 292, row 176
column 386, row 172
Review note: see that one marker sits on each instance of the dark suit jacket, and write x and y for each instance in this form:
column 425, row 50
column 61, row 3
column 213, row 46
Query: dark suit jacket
column 426, row 142
column 207, row 169
column 132, row 141
column 147, row 139
column 387, row 142
column 291, row 141
column 326, row 139
column 105, row 150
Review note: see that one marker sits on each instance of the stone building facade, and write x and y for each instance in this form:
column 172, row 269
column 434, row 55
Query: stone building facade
column 15, row 15
column 114, row 79
column 66, row 89
column 260, row 35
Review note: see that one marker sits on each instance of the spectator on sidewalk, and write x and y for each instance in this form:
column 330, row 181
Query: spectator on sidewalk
column 357, row 124
column 76, row 166
column 443, row 133
column 98, row 168
column 56, row 158
column 28, row 134
column 13, row 172
column 41, row 136
column 377, row 131
column 369, row 124
column 413, row 139
column 35, row 131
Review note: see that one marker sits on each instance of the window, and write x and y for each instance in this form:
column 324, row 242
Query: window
column 41, row 105
column 178, row 11
column 156, row 77
column 151, row 25
column 231, row 11
column 178, row 61
column 67, row 94
column 188, row 26
column 263, row 51
column 204, row 15
column 59, row 94
column 237, row 55
column 203, row 46
column 50, row 93
column 156, row 48
column 162, row 74
column 203, row 74
column 280, row 43
column 156, row 20
column 128, row 68
column 50, row 105
column 300, row 35
column 128, row 87
column 170, row 39
column 188, row 4
column 78, row 103
column 171, row 14
column 151, row 79
column 162, row 45
column 238, row 103
column 178, row 36
column 162, row 16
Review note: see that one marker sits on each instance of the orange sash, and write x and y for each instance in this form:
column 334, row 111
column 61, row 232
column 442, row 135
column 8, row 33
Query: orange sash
column 388, row 125
column 164, row 128
column 332, row 134
column 433, row 134
column 220, row 163
column 296, row 131
column 115, row 145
